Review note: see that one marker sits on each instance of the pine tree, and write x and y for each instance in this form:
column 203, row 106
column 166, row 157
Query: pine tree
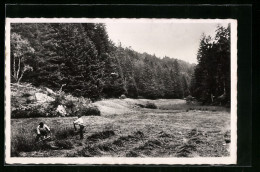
column 211, row 82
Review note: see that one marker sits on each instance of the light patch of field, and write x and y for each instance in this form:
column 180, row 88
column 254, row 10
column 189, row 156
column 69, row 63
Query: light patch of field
column 126, row 130
column 119, row 106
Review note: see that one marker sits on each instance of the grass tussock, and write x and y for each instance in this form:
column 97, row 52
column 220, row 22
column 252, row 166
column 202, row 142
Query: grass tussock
column 106, row 147
column 64, row 144
column 64, row 133
column 186, row 150
column 89, row 151
column 132, row 154
column 135, row 137
column 151, row 144
column 118, row 143
column 101, row 135
column 164, row 135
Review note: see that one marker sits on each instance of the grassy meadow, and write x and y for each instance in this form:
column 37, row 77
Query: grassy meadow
column 127, row 129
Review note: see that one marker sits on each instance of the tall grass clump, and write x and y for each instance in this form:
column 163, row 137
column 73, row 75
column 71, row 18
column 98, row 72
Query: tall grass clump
column 63, row 133
column 26, row 142
column 22, row 144
column 64, row 144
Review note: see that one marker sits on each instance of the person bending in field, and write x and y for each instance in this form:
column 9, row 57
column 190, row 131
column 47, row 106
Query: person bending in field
column 79, row 122
column 42, row 131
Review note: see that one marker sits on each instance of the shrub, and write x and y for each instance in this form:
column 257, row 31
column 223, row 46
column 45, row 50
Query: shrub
column 91, row 111
column 27, row 113
column 151, row 105
column 190, row 100
column 71, row 107
column 26, row 95
column 28, row 101
column 122, row 96
column 69, row 104
column 57, row 101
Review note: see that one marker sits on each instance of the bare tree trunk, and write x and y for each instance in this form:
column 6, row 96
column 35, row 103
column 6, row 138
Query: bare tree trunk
column 212, row 98
column 20, row 77
column 18, row 71
column 14, row 70
column 224, row 88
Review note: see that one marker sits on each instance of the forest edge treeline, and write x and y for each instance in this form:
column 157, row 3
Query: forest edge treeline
column 83, row 61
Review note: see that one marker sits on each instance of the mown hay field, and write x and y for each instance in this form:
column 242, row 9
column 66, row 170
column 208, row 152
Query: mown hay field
column 127, row 129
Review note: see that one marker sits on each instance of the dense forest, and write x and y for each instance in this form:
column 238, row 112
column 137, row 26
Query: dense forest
column 211, row 80
column 81, row 59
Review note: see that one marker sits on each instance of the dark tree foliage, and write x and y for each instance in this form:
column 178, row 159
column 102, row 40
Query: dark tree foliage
column 211, row 80
column 147, row 76
column 81, row 60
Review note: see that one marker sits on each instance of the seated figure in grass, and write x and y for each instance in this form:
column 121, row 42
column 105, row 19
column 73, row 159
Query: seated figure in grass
column 42, row 131
column 79, row 122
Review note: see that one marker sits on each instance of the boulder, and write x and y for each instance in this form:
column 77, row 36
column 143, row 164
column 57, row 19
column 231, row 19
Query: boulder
column 40, row 97
column 50, row 91
column 122, row 96
column 61, row 109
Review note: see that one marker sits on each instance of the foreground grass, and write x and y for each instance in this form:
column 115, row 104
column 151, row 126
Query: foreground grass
column 173, row 130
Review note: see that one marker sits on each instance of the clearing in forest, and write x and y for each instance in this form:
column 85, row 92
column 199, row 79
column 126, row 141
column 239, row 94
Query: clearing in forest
column 127, row 129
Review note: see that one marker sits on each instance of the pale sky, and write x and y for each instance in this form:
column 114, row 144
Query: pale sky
column 175, row 40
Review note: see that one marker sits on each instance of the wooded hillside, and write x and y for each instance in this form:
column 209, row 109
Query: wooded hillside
column 81, row 60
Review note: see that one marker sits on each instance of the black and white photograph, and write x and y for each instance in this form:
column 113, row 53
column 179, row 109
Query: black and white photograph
column 121, row 91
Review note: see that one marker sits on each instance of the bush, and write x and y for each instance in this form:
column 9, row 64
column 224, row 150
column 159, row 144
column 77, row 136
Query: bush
column 27, row 113
column 58, row 101
column 70, row 104
column 70, row 107
column 26, row 95
column 28, row 101
column 122, row 96
column 91, row 111
column 151, row 106
column 190, row 100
